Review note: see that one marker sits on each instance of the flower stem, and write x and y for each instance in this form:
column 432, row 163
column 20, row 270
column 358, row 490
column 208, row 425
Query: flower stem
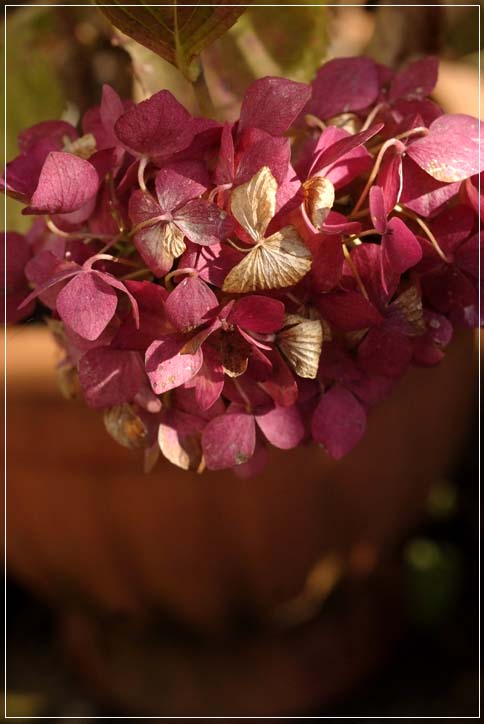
column 141, row 173
column 202, row 94
column 374, row 172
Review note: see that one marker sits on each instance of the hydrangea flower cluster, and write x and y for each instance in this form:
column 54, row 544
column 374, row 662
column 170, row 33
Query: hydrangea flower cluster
column 219, row 287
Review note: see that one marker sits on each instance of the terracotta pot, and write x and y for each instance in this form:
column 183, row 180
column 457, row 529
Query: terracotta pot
column 86, row 525
column 96, row 537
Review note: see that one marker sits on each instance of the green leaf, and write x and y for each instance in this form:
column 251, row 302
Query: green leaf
column 176, row 33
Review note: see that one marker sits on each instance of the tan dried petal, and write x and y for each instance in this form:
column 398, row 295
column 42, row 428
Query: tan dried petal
column 125, row 426
column 184, row 452
column 83, row 147
column 279, row 261
column 319, row 199
column 68, row 381
column 254, row 203
column 173, row 240
column 301, row 341
column 409, row 304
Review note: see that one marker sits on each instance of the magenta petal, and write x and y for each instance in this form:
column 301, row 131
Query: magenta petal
column 209, row 380
column 282, row 426
column 417, row 80
column 390, row 179
column 65, row 184
column 174, row 189
column 342, row 148
column 258, row 314
column 53, row 131
column 262, row 149
column 87, row 304
column 281, row 385
column 225, row 168
column 377, row 209
column 339, row 421
column 213, row 262
column 110, row 376
column 385, row 352
column 400, row 250
column 203, row 222
column 46, row 271
column 117, row 284
column 327, row 266
column 344, row 84
column 348, row 310
column 188, row 304
column 142, row 206
column 272, row 104
column 167, row 368
column 452, row 227
column 450, row 152
column 255, row 465
column 110, row 110
column 158, row 127
column 229, row 439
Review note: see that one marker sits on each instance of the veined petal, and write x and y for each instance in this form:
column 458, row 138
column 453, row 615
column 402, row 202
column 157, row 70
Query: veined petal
column 159, row 245
column 301, row 341
column 279, row 261
column 254, row 203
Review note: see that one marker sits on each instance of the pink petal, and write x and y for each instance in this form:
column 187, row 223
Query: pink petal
column 117, row 284
column 341, row 149
column 416, row 80
column 203, row 222
column 188, row 304
column 272, row 104
column 142, row 206
column 377, row 209
column 348, row 310
column 281, row 386
column 400, row 251
column 264, row 150
column 339, row 421
column 258, row 314
column 255, row 465
column 390, row 179
column 384, row 352
column 167, row 368
column 174, row 189
column 65, row 184
column 225, row 168
column 153, row 323
column 344, row 84
column 450, row 152
column 213, row 262
column 423, row 194
column 47, row 271
column 158, row 127
column 282, row 426
column 208, row 383
column 87, row 304
column 229, row 439
column 110, row 377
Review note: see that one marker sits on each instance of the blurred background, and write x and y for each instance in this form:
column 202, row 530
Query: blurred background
column 411, row 615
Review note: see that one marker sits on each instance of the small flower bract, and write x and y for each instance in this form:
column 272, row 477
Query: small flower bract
column 219, row 288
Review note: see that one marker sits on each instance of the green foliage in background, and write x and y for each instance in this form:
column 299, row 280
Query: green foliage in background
column 33, row 92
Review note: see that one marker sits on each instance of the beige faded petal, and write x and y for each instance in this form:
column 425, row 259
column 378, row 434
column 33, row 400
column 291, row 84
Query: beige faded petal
column 300, row 341
column 319, row 199
column 125, row 426
column 409, row 306
column 254, row 203
column 280, row 261
column 173, row 241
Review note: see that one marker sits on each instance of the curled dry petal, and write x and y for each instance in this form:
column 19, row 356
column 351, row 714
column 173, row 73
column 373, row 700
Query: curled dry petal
column 280, row 261
column 159, row 245
column 254, row 203
column 300, row 341
column 125, row 426
column 319, row 199
column 179, row 439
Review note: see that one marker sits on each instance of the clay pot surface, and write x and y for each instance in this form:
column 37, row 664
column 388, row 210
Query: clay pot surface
column 85, row 525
